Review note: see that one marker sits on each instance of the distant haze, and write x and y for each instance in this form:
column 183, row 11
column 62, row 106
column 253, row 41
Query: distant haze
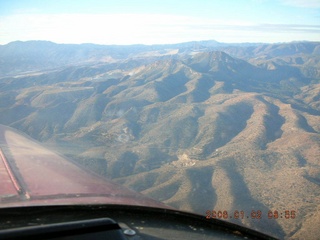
column 159, row 22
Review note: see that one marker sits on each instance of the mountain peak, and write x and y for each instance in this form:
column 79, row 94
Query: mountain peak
column 213, row 61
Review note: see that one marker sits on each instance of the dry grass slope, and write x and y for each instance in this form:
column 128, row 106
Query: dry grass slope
column 199, row 132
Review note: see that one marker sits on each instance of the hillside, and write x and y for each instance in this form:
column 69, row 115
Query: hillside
column 200, row 127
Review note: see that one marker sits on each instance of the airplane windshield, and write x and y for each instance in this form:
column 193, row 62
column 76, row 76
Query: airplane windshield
column 208, row 107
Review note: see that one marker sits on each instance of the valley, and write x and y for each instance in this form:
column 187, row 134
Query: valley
column 206, row 126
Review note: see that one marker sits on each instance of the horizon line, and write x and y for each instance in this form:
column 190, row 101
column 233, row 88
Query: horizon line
column 160, row 44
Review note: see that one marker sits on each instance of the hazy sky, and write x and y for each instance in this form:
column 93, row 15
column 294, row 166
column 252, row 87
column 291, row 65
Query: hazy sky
column 159, row 21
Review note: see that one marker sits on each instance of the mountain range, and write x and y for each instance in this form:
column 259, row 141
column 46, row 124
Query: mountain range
column 199, row 126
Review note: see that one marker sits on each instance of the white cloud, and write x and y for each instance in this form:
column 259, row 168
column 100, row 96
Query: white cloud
column 100, row 28
column 143, row 28
column 303, row 3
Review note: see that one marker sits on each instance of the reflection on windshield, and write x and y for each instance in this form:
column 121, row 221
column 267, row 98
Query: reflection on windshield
column 227, row 131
